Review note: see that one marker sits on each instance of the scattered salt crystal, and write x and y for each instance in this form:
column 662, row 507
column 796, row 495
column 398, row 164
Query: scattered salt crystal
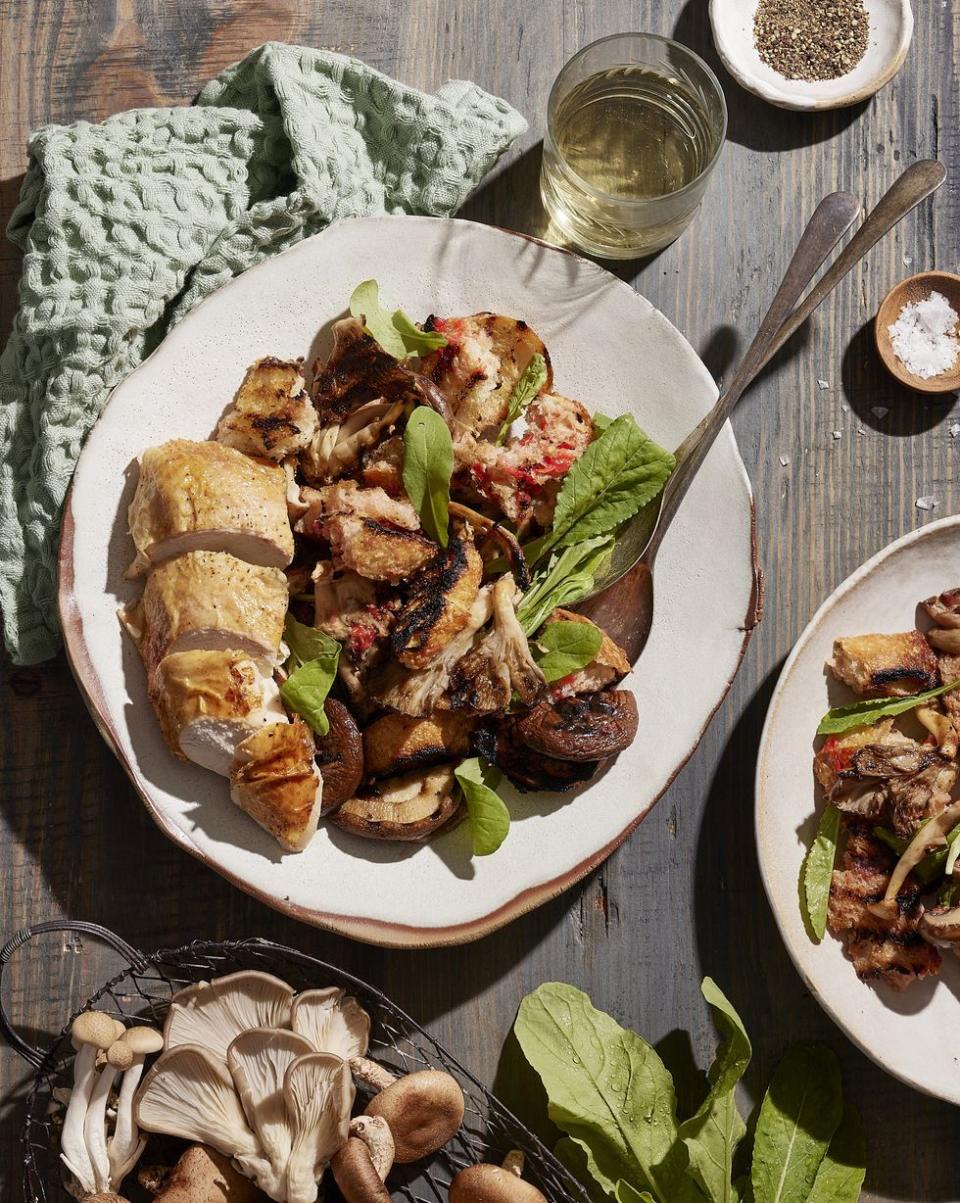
column 955, row 430
column 836, row 434
column 823, row 384
column 926, row 503
column 907, row 260
column 784, row 460
column 923, row 336
column 879, row 411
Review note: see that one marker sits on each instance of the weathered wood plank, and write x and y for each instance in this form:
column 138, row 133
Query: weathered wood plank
column 682, row 898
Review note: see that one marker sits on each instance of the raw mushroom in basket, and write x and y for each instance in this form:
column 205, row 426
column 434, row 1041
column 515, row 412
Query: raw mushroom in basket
column 486, row 1183
column 213, row 1014
column 201, row 1175
column 360, row 1167
column 424, row 1109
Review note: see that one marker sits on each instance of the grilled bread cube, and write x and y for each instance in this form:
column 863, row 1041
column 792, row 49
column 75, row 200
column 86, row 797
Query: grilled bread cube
column 886, row 665
column 396, row 743
column 272, row 415
column 439, row 605
column 275, row 780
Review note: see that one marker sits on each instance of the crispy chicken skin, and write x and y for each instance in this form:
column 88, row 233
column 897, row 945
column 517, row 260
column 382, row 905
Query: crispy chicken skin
column 896, row 953
column 886, row 665
column 205, row 496
column 476, row 371
column 210, row 600
column 272, row 414
column 274, row 779
column 439, row 604
column 396, row 743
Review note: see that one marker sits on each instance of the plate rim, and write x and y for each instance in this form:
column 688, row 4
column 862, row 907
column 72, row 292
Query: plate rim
column 378, row 932
column 867, row 568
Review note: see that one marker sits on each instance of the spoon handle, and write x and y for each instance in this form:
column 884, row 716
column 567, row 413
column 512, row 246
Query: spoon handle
column 830, row 221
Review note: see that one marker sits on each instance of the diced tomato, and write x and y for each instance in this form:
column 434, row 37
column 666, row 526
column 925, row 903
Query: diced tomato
column 362, row 638
column 837, row 757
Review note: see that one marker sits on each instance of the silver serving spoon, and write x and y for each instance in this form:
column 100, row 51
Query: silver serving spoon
column 622, row 602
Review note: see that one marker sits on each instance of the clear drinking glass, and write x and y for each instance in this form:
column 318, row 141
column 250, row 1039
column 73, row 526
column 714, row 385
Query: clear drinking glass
column 635, row 126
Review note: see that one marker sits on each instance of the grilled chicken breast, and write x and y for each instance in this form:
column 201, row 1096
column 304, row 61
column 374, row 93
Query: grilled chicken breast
column 881, row 951
column 439, row 604
column 208, row 702
column 210, row 600
column 275, row 780
column 885, row 665
column 205, row 496
column 477, row 370
column 272, row 414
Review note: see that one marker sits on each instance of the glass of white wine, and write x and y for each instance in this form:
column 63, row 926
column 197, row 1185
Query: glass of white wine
column 635, row 126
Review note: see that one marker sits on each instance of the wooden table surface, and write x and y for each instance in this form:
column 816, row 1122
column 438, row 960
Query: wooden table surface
column 682, row 897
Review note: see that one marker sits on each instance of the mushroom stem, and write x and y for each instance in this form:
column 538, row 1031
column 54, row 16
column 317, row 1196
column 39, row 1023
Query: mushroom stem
column 509, row 541
column 74, row 1153
column 374, row 1132
column 95, row 1127
column 125, row 1142
column 513, row 1162
column 371, row 1074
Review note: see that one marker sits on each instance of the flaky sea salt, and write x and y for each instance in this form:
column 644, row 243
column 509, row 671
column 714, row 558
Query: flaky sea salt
column 823, row 385
column 784, row 461
column 926, row 503
column 923, row 336
column 836, row 434
column 955, row 430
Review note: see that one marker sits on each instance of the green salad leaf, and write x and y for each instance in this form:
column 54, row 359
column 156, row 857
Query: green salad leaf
column 712, row 1135
column 625, row 1193
column 427, row 468
column 607, row 1089
column 487, row 813
column 532, row 380
column 565, row 647
column 614, row 478
column 863, row 714
column 395, row 332
column 312, row 668
column 818, row 870
column 843, row 1169
column 566, row 579
column 799, row 1115
column 601, row 422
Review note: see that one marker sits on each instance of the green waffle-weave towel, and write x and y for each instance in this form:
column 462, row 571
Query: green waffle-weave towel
column 125, row 225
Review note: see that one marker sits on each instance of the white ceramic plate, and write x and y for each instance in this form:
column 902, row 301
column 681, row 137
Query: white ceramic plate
column 610, row 348
column 891, row 29
column 914, row 1035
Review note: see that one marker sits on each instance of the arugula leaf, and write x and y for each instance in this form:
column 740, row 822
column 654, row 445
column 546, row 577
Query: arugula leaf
column 427, row 468
column 486, row 812
column 312, row 665
column 395, row 332
column 625, row 1193
column 601, row 422
column 818, row 871
column 615, row 477
column 863, row 714
column 606, row 1088
column 567, row 577
column 844, row 1167
column 712, row 1135
column 566, row 647
column 532, row 380
column 799, row 1115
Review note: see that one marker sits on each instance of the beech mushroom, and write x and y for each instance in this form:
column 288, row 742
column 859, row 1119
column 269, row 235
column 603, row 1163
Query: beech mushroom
column 332, row 1022
column 424, row 1109
column 360, row 1167
column 201, row 1175
column 92, row 1032
column 339, row 756
column 319, row 1092
column 126, row 1144
column 213, row 1014
column 589, row 727
column 933, row 834
column 119, row 1057
column 485, row 1183
column 941, row 927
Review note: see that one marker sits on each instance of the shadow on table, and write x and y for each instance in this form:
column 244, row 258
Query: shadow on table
column 740, row 947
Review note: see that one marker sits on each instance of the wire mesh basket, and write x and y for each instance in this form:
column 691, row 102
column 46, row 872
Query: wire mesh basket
column 142, row 992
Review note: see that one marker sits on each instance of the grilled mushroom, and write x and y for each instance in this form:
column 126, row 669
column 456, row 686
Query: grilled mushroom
column 397, row 743
column 945, row 609
column 410, row 807
column 339, row 756
column 941, row 927
column 583, row 728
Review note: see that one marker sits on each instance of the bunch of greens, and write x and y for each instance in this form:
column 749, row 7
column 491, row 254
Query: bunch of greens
column 613, row 1097
column 312, row 670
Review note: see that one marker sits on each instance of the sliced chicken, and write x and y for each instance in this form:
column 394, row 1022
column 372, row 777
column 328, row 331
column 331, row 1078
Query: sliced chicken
column 275, row 780
column 272, row 414
column 439, row 604
column 209, row 702
column 205, row 496
column 608, row 667
column 477, row 370
column 336, row 449
column 210, row 600
column 886, row 665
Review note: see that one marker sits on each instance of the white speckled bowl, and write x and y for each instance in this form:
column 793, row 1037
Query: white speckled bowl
column 610, row 348
column 891, row 28
column 914, row 1035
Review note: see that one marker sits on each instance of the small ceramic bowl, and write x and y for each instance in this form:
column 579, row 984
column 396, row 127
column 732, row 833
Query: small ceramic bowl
column 891, row 28
column 916, row 288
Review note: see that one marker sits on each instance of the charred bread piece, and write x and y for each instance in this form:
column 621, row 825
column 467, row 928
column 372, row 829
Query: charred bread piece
column 272, row 414
column 886, row 665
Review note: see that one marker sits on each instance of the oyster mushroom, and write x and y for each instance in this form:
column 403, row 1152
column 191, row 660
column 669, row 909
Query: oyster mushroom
column 92, row 1032
column 213, row 1014
column 424, row 1109
column 410, row 807
column 339, row 756
column 336, row 449
column 319, row 1093
column 590, row 727
column 933, row 834
column 360, row 1167
column 126, row 1144
column 332, row 1022
column 486, row 1183
column 258, row 1061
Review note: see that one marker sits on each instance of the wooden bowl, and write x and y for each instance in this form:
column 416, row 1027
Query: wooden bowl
column 908, row 291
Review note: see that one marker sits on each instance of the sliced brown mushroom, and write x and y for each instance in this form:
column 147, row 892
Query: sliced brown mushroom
column 941, row 927
column 945, row 609
column 591, row 727
column 410, row 807
column 339, row 756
